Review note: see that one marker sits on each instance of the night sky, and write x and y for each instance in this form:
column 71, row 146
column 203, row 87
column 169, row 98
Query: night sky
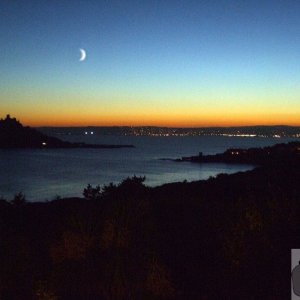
column 173, row 63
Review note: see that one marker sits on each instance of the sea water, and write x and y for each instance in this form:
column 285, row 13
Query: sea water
column 43, row 174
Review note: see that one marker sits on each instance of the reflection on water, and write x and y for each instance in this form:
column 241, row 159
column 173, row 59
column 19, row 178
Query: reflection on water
column 43, row 174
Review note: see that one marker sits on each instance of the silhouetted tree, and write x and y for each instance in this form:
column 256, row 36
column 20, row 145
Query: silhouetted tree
column 133, row 181
column 92, row 193
column 19, row 199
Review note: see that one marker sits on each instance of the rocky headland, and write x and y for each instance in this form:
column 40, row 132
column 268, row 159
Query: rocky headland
column 14, row 135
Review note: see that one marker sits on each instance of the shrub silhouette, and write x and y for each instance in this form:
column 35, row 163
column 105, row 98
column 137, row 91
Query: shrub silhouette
column 195, row 240
column 19, row 199
column 135, row 181
column 108, row 189
column 92, row 193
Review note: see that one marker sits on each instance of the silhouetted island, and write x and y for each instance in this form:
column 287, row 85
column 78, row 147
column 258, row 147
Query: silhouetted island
column 14, row 135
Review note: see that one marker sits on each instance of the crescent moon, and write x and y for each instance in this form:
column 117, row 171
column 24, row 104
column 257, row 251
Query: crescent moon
column 82, row 54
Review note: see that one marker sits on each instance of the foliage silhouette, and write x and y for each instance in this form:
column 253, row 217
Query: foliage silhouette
column 227, row 237
column 92, row 193
column 19, row 199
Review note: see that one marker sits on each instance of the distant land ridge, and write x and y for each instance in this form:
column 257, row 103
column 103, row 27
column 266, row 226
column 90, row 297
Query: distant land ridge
column 14, row 135
column 270, row 155
column 274, row 131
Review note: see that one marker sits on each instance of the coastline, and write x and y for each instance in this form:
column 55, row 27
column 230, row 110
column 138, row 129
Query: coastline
column 189, row 231
column 13, row 135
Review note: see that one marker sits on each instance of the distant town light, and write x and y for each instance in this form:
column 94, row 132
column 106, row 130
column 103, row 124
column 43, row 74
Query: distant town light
column 235, row 152
column 44, row 144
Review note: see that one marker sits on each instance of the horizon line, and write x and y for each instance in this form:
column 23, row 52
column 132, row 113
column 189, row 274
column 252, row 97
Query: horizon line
column 69, row 122
column 158, row 126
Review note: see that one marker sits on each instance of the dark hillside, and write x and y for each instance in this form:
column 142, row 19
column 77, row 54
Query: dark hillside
column 14, row 135
column 228, row 237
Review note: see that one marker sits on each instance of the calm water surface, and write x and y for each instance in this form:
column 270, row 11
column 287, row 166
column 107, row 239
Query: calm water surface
column 43, row 174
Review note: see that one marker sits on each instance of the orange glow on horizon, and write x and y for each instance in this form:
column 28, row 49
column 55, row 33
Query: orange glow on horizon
column 158, row 120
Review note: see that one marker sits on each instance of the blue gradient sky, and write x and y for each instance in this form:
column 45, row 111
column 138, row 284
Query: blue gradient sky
column 186, row 63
